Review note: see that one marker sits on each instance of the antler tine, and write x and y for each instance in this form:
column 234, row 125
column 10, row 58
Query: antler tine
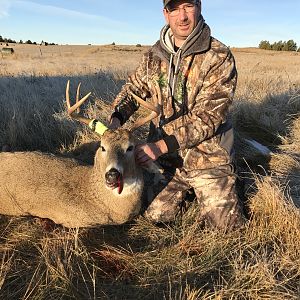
column 78, row 103
column 142, row 121
column 71, row 109
column 144, row 103
column 68, row 95
column 78, row 92
column 155, row 109
column 77, row 96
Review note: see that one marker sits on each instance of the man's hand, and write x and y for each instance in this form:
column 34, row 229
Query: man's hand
column 145, row 153
column 114, row 123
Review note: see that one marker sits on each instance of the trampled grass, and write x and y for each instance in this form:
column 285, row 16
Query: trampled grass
column 141, row 260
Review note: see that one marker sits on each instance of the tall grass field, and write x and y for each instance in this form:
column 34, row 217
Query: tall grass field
column 141, row 260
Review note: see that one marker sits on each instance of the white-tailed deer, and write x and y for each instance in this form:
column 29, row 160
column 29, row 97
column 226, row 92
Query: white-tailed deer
column 72, row 194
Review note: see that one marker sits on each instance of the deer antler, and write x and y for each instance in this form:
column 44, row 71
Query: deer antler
column 73, row 111
column 156, row 108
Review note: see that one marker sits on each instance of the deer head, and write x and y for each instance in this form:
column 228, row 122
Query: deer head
column 115, row 156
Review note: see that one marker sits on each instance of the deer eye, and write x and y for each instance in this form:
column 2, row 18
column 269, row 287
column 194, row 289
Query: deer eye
column 103, row 149
column 129, row 149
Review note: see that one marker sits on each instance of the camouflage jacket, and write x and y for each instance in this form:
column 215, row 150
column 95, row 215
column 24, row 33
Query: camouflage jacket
column 197, row 88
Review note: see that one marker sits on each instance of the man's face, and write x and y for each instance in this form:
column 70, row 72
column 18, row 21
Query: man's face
column 182, row 16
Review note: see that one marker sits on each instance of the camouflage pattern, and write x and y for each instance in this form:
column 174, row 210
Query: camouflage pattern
column 204, row 88
column 215, row 191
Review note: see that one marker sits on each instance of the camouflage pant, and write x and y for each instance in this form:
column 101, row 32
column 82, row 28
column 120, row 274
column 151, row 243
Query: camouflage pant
column 214, row 190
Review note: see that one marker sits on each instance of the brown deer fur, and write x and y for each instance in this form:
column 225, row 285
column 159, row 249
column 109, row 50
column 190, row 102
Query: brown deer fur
column 69, row 193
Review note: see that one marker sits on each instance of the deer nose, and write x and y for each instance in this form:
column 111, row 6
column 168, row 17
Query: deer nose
column 112, row 175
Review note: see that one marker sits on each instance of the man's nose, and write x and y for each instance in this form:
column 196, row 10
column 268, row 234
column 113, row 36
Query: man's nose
column 182, row 14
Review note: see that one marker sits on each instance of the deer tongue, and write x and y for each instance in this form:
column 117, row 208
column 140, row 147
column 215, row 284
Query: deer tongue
column 120, row 184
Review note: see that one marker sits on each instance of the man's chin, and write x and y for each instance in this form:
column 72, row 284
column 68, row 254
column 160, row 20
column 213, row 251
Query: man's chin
column 183, row 35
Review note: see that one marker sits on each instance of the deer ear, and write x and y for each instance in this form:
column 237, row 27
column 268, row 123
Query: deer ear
column 97, row 126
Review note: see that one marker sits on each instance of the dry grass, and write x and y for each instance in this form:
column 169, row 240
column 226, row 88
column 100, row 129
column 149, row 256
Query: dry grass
column 263, row 73
column 77, row 60
column 141, row 260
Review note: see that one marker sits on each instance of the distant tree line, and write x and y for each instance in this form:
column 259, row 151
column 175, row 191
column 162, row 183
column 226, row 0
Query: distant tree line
column 7, row 40
column 289, row 45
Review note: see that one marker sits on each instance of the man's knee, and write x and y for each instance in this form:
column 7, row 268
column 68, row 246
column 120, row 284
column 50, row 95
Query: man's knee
column 224, row 212
column 161, row 212
column 224, row 219
column 166, row 204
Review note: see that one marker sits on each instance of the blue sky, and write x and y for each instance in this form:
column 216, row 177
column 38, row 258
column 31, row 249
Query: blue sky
column 237, row 23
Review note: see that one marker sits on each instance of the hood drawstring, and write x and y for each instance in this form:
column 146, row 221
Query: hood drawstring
column 170, row 89
column 172, row 79
column 176, row 71
column 167, row 43
column 170, row 92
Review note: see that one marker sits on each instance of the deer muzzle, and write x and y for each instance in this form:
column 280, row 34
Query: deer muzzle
column 114, row 179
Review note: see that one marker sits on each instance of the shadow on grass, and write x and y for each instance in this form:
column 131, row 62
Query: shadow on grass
column 32, row 119
column 268, row 122
column 32, row 115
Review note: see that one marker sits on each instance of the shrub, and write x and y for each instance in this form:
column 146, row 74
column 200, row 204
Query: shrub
column 289, row 45
column 265, row 45
column 278, row 46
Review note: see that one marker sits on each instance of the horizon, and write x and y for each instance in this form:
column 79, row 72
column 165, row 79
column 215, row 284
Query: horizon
column 241, row 25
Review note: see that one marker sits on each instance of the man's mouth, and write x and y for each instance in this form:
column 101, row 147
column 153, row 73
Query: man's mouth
column 184, row 26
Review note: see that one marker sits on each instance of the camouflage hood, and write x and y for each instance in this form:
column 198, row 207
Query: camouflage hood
column 198, row 41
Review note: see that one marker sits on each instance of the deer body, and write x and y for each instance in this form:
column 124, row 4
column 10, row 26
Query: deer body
column 72, row 194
